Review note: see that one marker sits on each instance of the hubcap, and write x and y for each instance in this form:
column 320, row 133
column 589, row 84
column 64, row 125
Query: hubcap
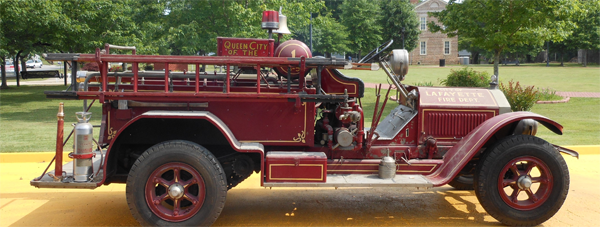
column 524, row 182
column 176, row 191
column 516, row 179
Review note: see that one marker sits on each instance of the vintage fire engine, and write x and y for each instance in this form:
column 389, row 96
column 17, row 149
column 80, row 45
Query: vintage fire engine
column 180, row 140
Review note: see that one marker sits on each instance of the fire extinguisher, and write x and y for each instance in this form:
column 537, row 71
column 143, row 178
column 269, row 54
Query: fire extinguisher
column 83, row 148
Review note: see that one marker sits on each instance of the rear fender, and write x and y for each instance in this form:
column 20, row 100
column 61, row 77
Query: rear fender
column 205, row 115
column 461, row 153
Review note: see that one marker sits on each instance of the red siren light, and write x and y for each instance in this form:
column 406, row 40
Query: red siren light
column 270, row 20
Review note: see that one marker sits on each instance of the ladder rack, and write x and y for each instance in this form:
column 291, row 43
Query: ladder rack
column 190, row 86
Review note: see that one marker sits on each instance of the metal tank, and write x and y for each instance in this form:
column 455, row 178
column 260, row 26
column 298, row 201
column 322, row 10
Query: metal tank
column 387, row 168
column 83, row 147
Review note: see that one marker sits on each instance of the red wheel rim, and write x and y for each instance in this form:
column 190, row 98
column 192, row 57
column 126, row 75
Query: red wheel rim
column 516, row 178
column 175, row 192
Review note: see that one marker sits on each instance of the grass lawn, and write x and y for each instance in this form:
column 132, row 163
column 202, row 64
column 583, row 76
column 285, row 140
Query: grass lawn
column 572, row 77
column 580, row 118
column 28, row 119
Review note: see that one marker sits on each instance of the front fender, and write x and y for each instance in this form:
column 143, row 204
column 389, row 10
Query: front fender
column 461, row 153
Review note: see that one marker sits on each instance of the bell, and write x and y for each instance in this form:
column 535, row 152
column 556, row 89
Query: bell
column 283, row 28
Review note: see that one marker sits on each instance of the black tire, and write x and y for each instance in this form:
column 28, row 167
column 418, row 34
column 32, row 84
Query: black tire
column 521, row 153
column 191, row 157
column 462, row 182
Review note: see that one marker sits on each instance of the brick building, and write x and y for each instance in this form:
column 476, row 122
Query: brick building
column 432, row 46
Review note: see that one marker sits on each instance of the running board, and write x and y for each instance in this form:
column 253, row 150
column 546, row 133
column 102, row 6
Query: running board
column 67, row 182
column 361, row 180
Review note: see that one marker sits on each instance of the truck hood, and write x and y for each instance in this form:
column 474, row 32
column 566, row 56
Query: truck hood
column 463, row 98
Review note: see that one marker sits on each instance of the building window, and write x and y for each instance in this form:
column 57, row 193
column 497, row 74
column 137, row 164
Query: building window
column 423, row 48
column 423, row 23
column 446, row 47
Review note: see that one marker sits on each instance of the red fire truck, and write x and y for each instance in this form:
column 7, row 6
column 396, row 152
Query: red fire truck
column 180, row 140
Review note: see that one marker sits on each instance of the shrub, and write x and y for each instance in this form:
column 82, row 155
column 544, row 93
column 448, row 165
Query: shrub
column 520, row 99
column 149, row 67
column 547, row 94
column 466, row 77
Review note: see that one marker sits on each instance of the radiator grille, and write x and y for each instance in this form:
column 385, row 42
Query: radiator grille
column 453, row 124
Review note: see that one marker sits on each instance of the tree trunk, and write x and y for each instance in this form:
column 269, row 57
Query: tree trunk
column 496, row 61
column 562, row 61
column 3, row 75
column 16, row 63
column 23, row 66
column 584, row 52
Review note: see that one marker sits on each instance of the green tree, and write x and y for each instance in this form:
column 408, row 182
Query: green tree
column 329, row 36
column 194, row 25
column 90, row 24
column 398, row 16
column 476, row 52
column 334, row 7
column 3, row 54
column 498, row 25
column 35, row 26
column 362, row 18
column 28, row 26
column 149, row 18
column 587, row 33
column 562, row 49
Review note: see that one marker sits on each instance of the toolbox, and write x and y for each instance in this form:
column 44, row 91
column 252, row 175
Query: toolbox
column 292, row 166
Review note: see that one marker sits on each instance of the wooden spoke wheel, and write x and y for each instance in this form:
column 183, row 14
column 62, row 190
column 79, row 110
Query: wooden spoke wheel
column 516, row 179
column 521, row 180
column 175, row 191
column 176, row 183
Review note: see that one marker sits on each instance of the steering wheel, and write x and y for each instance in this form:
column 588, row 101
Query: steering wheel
column 376, row 51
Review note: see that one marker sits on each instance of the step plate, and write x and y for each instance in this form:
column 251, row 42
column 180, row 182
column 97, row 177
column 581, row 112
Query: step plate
column 67, row 182
column 361, row 180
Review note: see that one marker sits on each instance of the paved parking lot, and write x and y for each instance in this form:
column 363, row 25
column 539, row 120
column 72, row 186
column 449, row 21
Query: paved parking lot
column 250, row 205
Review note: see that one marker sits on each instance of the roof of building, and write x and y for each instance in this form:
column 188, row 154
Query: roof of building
column 431, row 2
column 464, row 53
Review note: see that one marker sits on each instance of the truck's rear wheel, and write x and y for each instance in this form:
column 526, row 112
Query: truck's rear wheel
column 176, row 183
column 522, row 180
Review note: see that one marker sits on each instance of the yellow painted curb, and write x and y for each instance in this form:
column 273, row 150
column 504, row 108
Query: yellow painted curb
column 593, row 149
column 31, row 157
column 47, row 156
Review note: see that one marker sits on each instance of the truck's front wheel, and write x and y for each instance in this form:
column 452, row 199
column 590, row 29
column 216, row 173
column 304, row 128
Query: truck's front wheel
column 522, row 180
column 176, row 183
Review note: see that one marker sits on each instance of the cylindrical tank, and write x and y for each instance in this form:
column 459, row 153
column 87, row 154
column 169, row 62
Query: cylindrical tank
column 291, row 49
column 83, row 147
column 387, row 168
